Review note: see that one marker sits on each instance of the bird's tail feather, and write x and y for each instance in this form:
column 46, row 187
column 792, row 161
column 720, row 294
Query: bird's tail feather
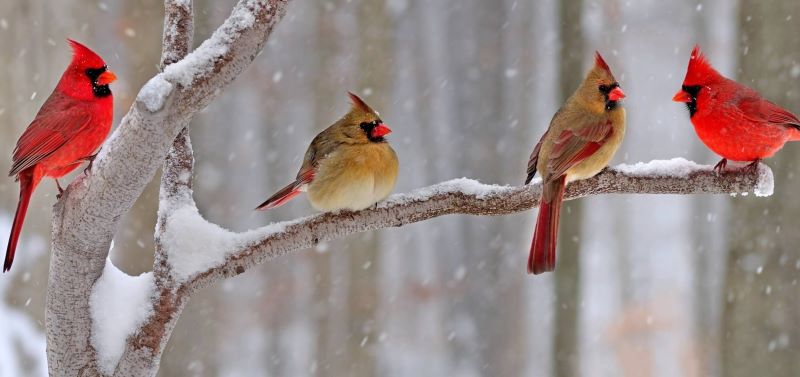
column 25, row 191
column 795, row 135
column 281, row 197
column 543, row 248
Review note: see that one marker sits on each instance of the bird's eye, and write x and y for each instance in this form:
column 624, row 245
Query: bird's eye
column 603, row 88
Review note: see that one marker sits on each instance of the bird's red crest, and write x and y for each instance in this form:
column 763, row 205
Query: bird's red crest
column 700, row 69
column 599, row 62
column 84, row 57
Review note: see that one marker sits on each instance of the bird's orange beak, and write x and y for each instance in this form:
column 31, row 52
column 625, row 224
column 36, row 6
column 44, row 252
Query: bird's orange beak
column 381, row 130
column 682, row 96
column 106, row 78
column 616, row 94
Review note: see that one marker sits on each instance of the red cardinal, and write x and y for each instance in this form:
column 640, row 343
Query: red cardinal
column 69, row 128
column 733, row 120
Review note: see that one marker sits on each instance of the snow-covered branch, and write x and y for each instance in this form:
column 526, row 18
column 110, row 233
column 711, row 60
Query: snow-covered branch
column 198, row 261
column 87, row 216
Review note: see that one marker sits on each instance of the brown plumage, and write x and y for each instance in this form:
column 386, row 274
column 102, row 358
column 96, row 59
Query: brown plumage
column 349, row 165
column 582, row 138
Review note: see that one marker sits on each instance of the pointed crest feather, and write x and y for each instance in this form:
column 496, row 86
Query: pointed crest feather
column 700, row 69
column 358, row 103
column 600, row 62
column 83, row 56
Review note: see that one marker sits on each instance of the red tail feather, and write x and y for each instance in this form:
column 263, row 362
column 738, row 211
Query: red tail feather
column 281, row 197
column 25, row 191
column 543, row 249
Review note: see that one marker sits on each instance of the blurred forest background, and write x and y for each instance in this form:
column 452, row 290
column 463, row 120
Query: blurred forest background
column 645, row 286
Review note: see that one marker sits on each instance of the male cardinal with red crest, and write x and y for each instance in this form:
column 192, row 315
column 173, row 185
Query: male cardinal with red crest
column 731, row 119
column 349, row 165
column 582, row 138
column 69, row 128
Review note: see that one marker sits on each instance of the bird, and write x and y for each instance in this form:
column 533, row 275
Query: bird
column 731, row 119
column 349, row 165
column 582, row 138
column 69, row 128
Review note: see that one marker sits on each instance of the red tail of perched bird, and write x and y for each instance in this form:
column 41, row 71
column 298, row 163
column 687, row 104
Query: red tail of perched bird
column 582, row 138
column 69, row 128
column 731, row 119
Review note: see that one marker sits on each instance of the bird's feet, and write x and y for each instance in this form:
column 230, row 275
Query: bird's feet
column 721, row 165
column 91, row 161
column 60, row 190
column 752, row 167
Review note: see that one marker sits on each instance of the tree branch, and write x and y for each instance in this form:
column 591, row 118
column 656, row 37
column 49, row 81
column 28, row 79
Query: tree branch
column 461, row 196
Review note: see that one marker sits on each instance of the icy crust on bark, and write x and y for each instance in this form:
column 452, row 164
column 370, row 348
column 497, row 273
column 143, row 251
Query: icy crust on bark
column 765, row 185
column 677, row 167
column 195, row 245
column 203, row 60
column 682, row 168
column 464, row 186
column 119, row 305
column 154, row 93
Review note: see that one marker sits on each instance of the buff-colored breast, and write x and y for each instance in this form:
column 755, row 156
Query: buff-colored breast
column 354, row 177
column 596, row 162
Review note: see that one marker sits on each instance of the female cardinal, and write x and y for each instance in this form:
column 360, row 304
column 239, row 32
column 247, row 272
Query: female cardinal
column 732, row 119
column 349, row 165
column 583, row 136
column 69, row 128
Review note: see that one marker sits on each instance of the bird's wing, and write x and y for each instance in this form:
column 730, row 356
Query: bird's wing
column 48, row 132
column 574, row 146
column 534, row 159
column 761, row 110
column 322, row 146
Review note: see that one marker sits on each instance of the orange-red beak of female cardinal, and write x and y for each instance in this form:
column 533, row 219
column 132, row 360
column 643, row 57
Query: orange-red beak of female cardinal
column 682, row 96
column 381, row 130
column 616, row 94
column 106, row 78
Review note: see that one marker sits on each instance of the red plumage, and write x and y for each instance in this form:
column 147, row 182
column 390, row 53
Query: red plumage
column 732, row 119
column 289, row 192
column 542, row 257
column 70, row 126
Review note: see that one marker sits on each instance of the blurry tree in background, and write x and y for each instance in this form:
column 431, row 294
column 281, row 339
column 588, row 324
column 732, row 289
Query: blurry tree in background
column 760, row 326
column 568, row 272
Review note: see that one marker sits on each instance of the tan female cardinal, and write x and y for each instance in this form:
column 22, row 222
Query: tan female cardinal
column 349, row 165
column 69, row 128
column 582, row 137
column 731, row 119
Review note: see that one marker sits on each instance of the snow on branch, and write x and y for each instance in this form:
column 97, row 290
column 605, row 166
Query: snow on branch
column 199, row 261
column 217, row 61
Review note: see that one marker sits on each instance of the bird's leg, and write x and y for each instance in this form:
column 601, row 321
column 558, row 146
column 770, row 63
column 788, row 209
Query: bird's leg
column 91, row 161
column 753, row 166
column 60, row 190
column 721, row 165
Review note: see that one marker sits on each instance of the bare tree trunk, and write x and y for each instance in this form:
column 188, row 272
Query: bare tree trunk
column 568, row 273
column 760, row 329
